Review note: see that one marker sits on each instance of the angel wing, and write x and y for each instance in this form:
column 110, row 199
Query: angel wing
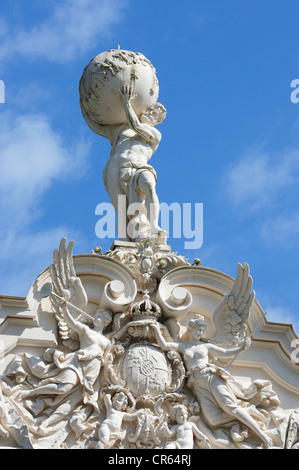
column 230, row 317
column 68, row 285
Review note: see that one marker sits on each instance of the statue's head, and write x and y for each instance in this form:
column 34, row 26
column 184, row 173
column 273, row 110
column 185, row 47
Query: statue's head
column 179, row 414
column 103, row 316
column 120, row 401
column 153, row 115
column 196, row 323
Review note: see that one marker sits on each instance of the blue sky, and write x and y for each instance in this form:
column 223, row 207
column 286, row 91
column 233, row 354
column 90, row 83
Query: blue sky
column 230, row 139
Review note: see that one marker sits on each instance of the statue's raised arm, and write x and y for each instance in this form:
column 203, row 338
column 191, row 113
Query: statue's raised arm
column 143, row 126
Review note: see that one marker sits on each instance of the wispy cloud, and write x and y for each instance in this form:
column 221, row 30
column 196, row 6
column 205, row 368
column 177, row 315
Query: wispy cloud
column 281, row 314
column 32, row 156
column 258, row 179
column 73, row 27
column 263, row 187
column 283, row 229
column 25, row 254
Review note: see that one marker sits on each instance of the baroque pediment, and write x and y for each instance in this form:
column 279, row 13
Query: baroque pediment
column 140, row 367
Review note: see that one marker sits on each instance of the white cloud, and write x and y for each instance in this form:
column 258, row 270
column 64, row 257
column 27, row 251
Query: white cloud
column 282, row 229
column 281, row 314
column 258, row 179
column 73, row 27
column 24, row 255
column 32, row 156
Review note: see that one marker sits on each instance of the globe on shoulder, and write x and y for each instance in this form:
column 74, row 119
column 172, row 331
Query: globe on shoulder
column 105, row 75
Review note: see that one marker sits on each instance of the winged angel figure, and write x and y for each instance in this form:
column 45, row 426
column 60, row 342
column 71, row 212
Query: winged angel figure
column 88, row 342
column 68, row 373
column 68, row 285
column 213, row 387
column 231, row 315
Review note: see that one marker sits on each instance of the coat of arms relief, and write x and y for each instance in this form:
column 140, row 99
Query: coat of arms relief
column 133, row 379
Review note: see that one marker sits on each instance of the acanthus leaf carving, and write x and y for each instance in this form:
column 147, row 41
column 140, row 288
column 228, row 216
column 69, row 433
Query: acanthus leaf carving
column 148, row 262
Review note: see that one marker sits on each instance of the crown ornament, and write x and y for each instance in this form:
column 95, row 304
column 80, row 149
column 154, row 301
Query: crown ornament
column 145, row 309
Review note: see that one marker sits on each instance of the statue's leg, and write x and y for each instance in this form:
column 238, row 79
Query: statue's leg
column 147, row 184
column 104, row 436
column 51, row 388
column 62, row 411
column 115, row 189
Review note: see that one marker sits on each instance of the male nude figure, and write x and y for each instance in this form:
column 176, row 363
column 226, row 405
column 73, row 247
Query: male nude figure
column 127, row 172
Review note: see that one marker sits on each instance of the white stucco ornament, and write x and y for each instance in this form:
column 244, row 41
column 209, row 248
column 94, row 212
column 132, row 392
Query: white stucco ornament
column 106, row 74
column 131, row 375
column 137, row 348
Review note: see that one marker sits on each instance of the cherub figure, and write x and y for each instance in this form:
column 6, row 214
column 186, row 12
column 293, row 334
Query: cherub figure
column 110, row 430
column 184, row 431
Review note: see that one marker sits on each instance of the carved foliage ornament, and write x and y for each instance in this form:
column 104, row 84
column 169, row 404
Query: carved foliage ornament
column 148, row 263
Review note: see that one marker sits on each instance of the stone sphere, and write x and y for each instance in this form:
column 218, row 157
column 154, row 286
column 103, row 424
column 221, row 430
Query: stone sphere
column 105, row 75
